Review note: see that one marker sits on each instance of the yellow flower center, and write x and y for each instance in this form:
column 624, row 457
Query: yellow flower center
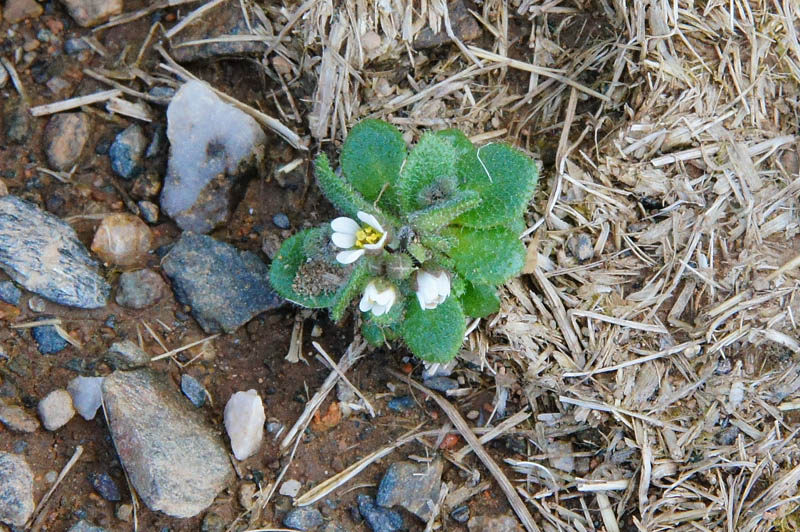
column 367, row 235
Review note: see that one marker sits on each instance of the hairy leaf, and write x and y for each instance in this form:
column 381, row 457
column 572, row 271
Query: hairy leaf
column 428, row 175
column 480, row 300
column 349, row 290
column 487, row 257
column 442, row 213
column 434, row 335
column 371, row 159
column 338, row 191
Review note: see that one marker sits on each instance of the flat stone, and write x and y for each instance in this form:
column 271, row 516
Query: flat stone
column 126, row 355
column 65, row 137
column 48, row 340
column 561, row 455
column 16, row 490
column 127, row 151
column 105, row 486
column 441, row 384
column 214, row 150
column 290, row 488
column 413, row 486
column 464, row 25
column 222, row 20
column 193, row 390
column 87, row 395
column 401, row 404
column 174, row 460
column 140, row 289
column 10, row 293
column 378, row 518
column 17, row 419
column 56, row 409
column 43, row 254
column 503, row 523
column 18, row 10
column 88, row 13
column 304, row 518
column 122, row 239
column 224, row 287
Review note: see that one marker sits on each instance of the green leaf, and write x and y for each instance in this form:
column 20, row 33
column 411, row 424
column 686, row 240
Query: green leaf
column 467, row 163
column 429, row 174
column 338, row 191
column 487, row 257
column 506, row 181
column 442, row 213
column 290, row 260
column 373, row 334
column 393, row 317
column 371, row 159
column 434, row 335
column 349, row 290
column 480, row 300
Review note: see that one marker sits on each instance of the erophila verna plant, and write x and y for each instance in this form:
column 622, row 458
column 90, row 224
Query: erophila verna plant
column 426, row 237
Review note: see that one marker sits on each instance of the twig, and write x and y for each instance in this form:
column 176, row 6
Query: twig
column 39, row 513
column 513, row 497
column 73, row 103
column 12, row 72
column 343, row 377
column 183, row 348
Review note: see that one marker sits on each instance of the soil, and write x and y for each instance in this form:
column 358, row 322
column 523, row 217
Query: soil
column 251, row 358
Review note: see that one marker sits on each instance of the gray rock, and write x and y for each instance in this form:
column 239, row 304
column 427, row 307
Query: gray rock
column 441, row 384
column 90, row 13
column 214, row 148
column 581, row 247
column 17, row 419
column 140, row 289
column 56, row 409
column 460, row 514
column 10, row 293
column 18, row 122
column 213, row 522
column 413, row 486
column 85, row 526
column 16, row 490
column 224, row 287
column 193, row 390
column 379, row 519
column 174, row 460
column 105, row 486
column 304, row 518
column 127, row 150
column 43, row 254
column 65, row 137
column 502, row 523
column 48, row 339
column 281, row 221
column 126, row 355
column 148, row 210
column 226, row 20
column 87, row 395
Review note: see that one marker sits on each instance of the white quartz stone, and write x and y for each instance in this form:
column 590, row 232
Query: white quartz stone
column 244, row 423
column 86, row 395
column 56, row 409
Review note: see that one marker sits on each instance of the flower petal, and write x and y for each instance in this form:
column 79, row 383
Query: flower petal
column 344, row 240
column 370, row 220
column 365, row 304
column 443, row 285
column 349, row 256
column 380, row 310
column 385, row 297
column 343, row 224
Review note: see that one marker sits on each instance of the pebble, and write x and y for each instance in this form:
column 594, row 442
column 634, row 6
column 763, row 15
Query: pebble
column 18, row 10
column 17, row 419
column 156, row 145
column 3, row 77
column 213, row 150
column 10, row 293
column 193, row 390
column 86, row 526
column 227, row 20
column 16, row 490
column 244, row 423
column 68, row 277
column 56, row 409
column 460, row 514
column 379, row 519
column 290, row 488
column 174, row 460
column 581, row 247
column 127, row 150
column 149, row 211
column 441, row 384
column 224, row 287
column 126, row 355
column 65, row 137
column 281, row 221
column 48, row 340
column 561, row 455
column 503, row 523
column 122, row 239
column 105, row 486
column 163, row 93
column 50, row 477
column 140, row 289
column 88, row 13
column 18, row 122
column 37, row 304
column 87, row 395
column 413, row 486
column 75, row 45
column 213, row 522
column 304, row 518
column 124, row 512
column 402, row 403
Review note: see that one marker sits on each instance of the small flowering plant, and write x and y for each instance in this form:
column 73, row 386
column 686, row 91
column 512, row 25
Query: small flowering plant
column 425, row 239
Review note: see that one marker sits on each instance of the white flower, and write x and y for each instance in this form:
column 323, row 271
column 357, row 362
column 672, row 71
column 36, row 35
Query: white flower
column 356, row 239
column 432, row 289
column 378, row 301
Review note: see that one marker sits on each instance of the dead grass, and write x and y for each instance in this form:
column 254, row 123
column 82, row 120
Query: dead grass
column 662, row 373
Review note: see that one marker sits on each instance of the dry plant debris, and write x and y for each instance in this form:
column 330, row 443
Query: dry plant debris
column 661, row 369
